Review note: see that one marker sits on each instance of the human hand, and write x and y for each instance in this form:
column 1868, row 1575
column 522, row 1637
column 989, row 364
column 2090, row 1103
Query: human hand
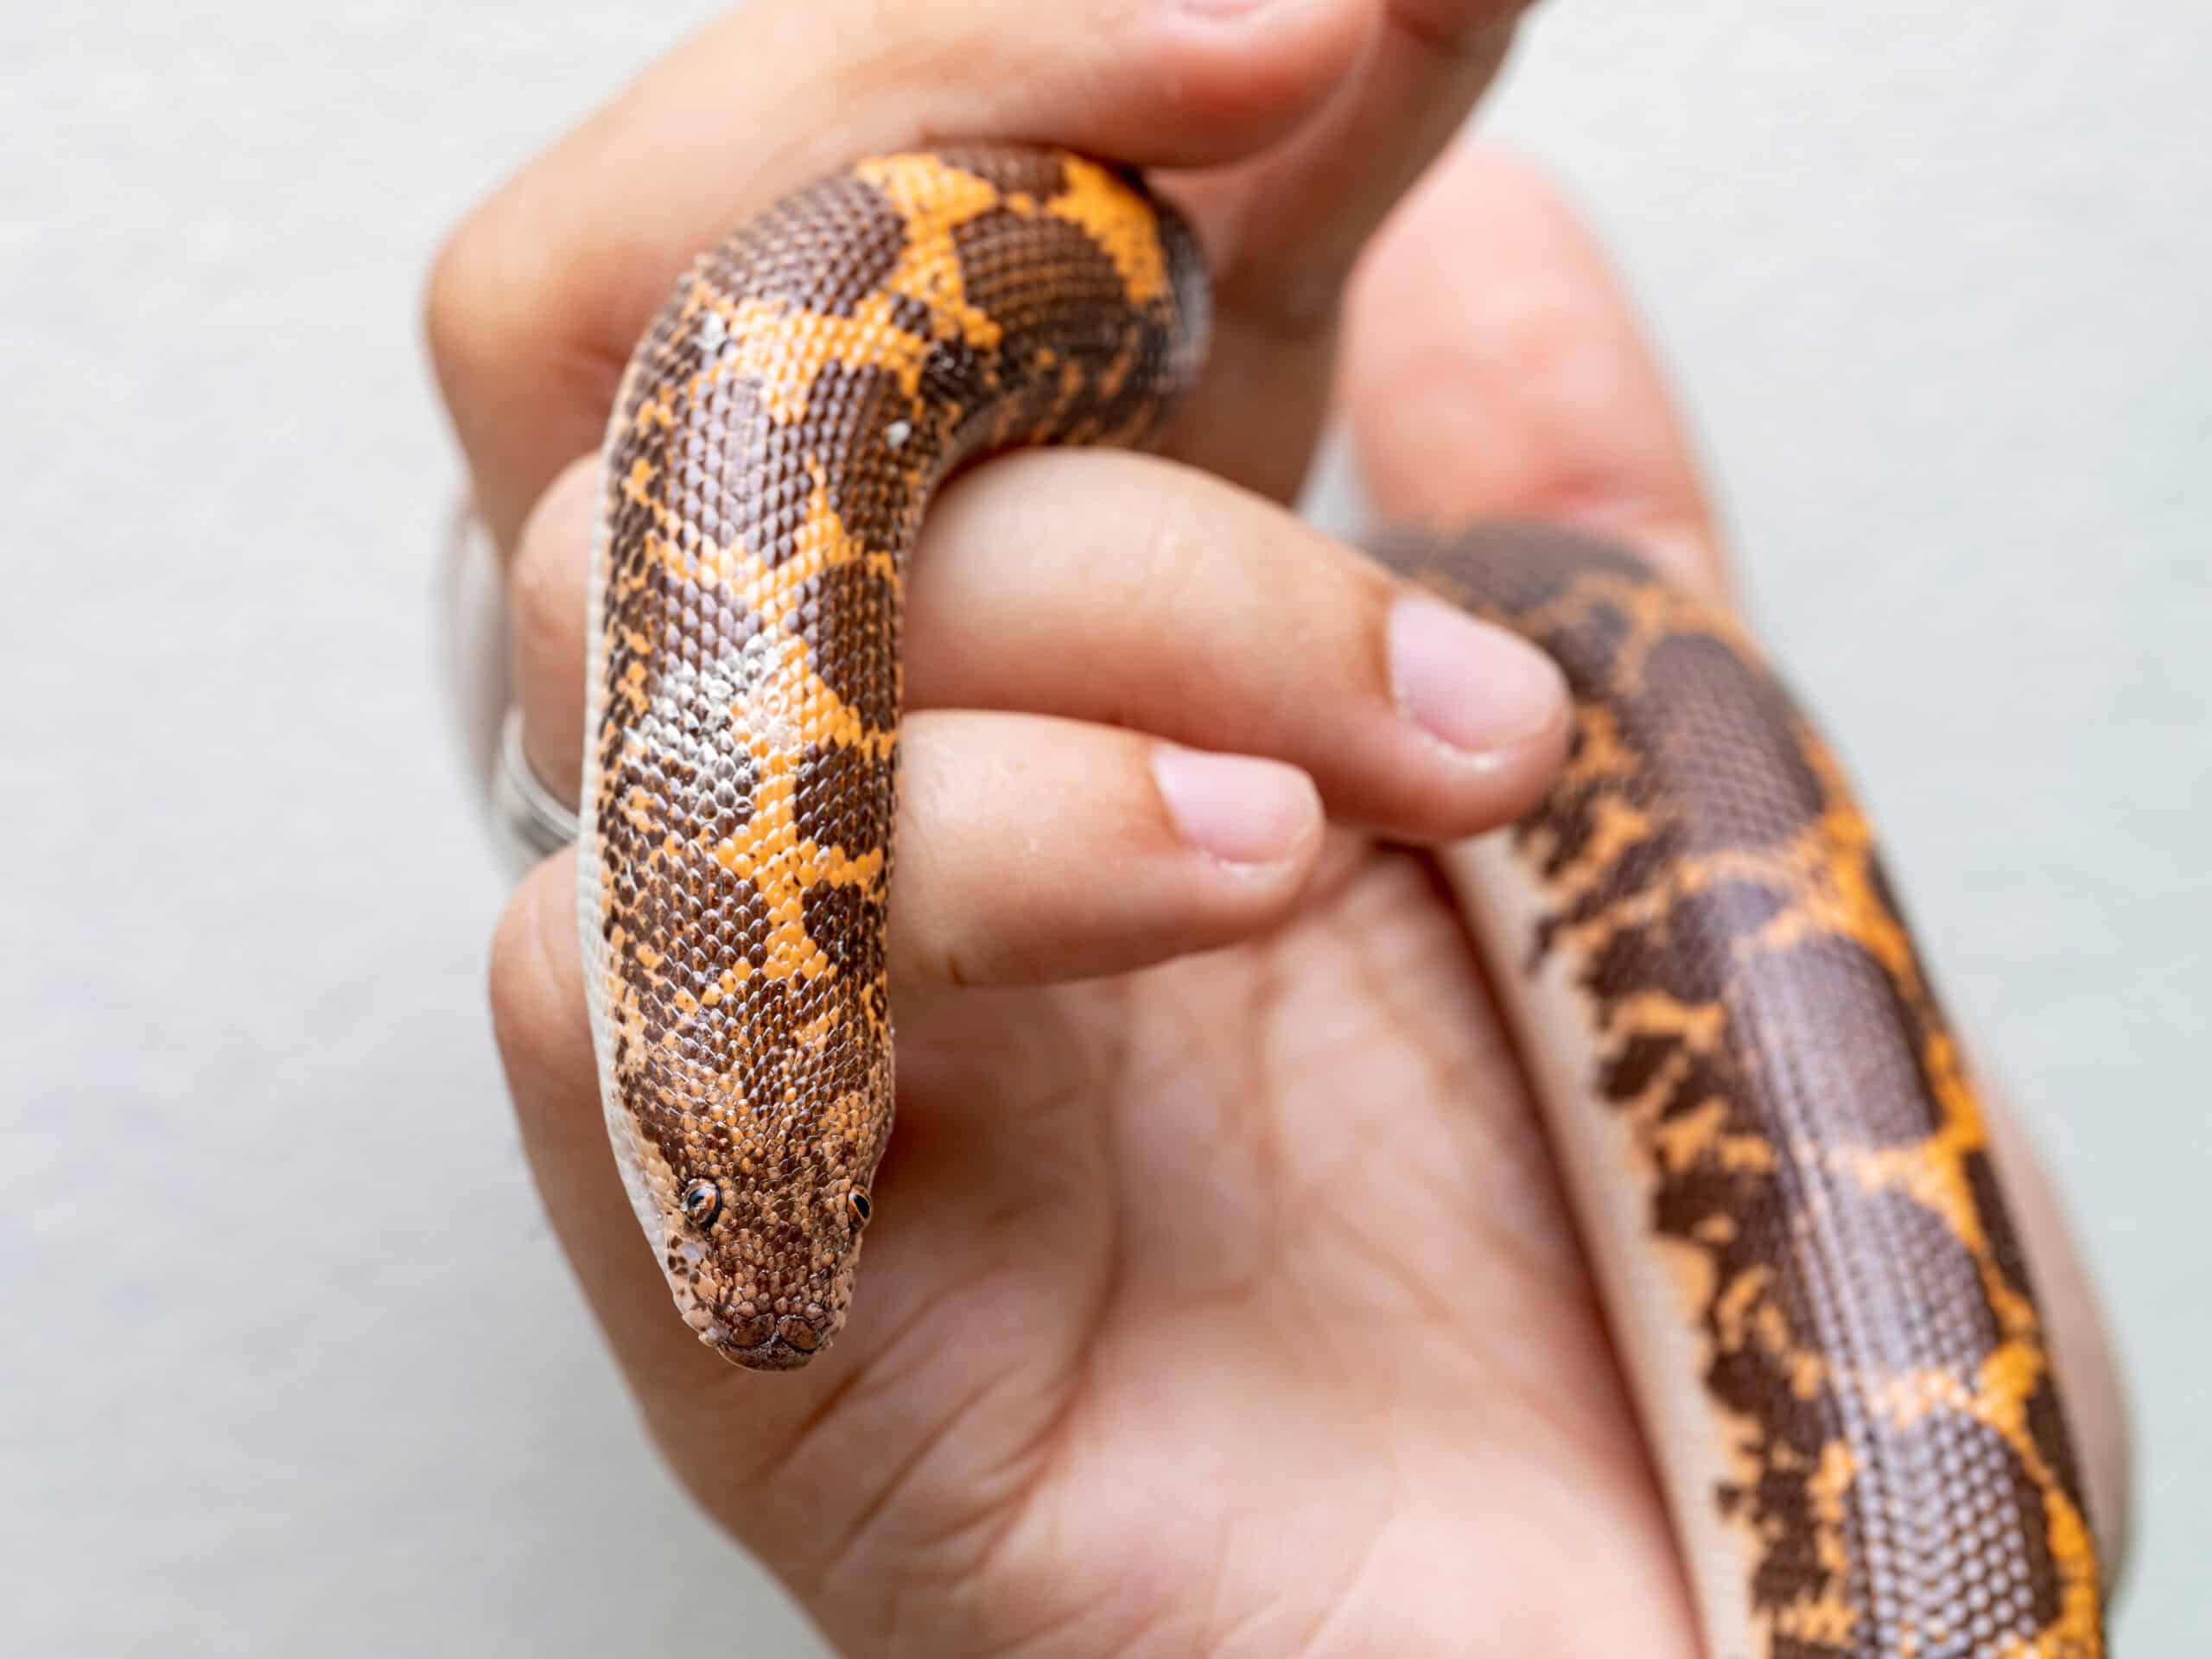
column 1218, row 1301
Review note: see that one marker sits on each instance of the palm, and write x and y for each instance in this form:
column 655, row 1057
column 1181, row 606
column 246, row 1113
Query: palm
column 1210, row 1306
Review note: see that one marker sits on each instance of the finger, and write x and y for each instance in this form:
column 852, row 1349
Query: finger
column 1035, row 850
column 548, row 609
column 1132, row 591
column 536, row 302
column 1136, row 591
column 1291, row 223
column 2082, row 1348
column 1284, row 230
column 1495, row 369
column 543, row 1031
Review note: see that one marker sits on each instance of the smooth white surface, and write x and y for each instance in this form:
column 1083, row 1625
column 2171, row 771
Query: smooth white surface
column 292, row 1365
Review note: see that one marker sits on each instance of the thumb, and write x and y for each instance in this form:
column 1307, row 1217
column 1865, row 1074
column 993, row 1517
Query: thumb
column 1494, row 369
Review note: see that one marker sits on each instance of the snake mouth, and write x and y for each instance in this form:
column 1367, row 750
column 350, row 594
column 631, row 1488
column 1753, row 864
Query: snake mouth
column 775, row 1353
column 761, row 1342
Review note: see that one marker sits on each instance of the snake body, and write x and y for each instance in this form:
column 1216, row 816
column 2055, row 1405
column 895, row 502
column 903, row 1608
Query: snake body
column 1775, row 1149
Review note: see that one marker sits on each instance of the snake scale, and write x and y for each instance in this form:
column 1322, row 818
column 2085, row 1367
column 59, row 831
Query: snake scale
column 1769, row 1134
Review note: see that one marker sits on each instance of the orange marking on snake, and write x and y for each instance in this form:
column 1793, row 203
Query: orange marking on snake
column 784, row 351
column 935, row 200
column 1113, row 216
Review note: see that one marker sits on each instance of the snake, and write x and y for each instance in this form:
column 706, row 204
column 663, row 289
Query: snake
column 1778, row 1159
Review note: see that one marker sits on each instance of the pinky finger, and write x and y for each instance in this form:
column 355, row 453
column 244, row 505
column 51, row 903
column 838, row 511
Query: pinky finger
column 1035, row 849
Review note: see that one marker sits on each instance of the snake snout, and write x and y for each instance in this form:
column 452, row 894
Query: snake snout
column 764, row 1341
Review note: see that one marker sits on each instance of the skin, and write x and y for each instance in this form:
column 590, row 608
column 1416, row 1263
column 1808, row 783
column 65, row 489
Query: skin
column 1219, row 1297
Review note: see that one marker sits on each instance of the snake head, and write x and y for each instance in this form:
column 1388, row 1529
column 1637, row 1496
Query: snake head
column 759, row 1242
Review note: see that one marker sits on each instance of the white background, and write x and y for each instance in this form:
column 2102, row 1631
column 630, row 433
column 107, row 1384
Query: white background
column 291, row 1364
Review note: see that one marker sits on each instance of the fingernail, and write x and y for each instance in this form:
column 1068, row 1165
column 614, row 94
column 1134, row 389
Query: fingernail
column 1237, row 807
column 1473, row 688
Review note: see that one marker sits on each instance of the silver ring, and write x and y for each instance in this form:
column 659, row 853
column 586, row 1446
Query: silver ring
column 531, row 823
column 526, row 821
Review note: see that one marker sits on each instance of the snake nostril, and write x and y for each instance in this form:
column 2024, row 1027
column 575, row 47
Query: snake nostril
column 751, row 1330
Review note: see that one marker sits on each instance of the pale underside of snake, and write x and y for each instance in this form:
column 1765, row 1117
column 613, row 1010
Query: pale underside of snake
column 1774, row 1151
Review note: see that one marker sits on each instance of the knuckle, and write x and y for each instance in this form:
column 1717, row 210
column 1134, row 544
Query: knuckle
column 529, row 978
column 1457, row 29
column 547, row 575
column 473, row 293
column 513, row 962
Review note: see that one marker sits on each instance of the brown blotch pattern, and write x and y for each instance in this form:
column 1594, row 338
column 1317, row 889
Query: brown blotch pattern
column 778, row 434
column 1902, row 1482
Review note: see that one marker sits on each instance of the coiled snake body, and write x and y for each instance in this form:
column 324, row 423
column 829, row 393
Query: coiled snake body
column 1771, row 1139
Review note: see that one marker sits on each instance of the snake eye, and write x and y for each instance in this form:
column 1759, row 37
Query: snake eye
column 702, row 1202
column 861, row 1208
